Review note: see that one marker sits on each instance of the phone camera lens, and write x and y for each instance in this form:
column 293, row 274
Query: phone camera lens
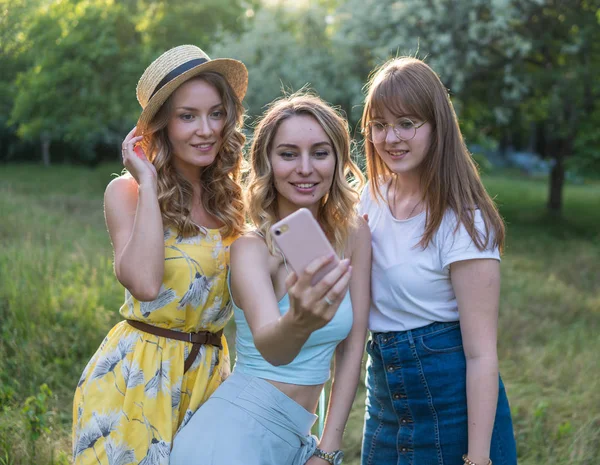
column 277, row 232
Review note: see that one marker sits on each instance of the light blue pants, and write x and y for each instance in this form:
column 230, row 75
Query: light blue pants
column 247, row 421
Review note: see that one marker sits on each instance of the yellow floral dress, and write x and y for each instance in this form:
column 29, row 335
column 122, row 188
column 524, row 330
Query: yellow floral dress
column 133, row 395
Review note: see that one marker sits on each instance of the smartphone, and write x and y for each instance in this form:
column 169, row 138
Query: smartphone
column 301, row 240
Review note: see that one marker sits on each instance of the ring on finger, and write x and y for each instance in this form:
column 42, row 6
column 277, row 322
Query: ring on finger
column 327, row 300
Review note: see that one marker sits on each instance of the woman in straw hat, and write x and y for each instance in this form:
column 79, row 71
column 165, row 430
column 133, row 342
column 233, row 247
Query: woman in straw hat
column 171, row 220
column 288, row 330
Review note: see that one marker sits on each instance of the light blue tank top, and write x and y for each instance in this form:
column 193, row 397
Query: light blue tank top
column 312, row 364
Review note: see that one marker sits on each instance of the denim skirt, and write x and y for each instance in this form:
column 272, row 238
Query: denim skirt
column 416, row 405
column 247, row 421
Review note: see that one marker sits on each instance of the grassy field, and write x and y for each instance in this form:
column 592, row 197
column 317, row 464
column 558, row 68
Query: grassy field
column 58, row 298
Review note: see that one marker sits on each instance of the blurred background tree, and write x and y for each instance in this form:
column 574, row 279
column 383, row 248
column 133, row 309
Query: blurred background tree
column 522, row 73
column 13, row 60
column 73, row 66
column 286, row 47
column 83, row 60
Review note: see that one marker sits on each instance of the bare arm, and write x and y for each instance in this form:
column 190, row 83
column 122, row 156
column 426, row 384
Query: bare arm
column 280, row 338
column 476, row 284
column 349, row 353
column 135, row 225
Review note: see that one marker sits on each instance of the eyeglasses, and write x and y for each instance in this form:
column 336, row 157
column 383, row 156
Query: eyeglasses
column 404, row 129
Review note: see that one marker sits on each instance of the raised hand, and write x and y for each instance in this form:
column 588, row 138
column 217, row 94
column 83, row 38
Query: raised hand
column 134, row 159
column 314, row 306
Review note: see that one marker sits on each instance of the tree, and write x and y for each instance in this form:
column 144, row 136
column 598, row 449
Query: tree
column 288, row 47
column 517, row 66
column 14, row 16
column 85, row 56
column 166, row 24
column 561, row 70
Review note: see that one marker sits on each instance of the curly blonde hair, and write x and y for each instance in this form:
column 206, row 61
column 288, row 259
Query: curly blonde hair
column 221, row 190
column 336, row 213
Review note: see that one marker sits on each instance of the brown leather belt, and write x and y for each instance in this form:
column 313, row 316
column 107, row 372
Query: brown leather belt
column 197, row 339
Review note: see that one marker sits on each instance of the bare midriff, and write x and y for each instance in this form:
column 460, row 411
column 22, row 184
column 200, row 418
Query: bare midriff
column 306, row 396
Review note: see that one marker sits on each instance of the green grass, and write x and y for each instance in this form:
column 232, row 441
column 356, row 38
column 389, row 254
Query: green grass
column 58, row 298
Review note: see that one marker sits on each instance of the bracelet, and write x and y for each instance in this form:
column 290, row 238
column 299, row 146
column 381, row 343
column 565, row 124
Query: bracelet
column 468, row 461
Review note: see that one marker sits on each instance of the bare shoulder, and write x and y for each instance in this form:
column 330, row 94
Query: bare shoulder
column 120, row 200
column 121, row 194
column 250, row 245
column 124, row 185
column 250, row 261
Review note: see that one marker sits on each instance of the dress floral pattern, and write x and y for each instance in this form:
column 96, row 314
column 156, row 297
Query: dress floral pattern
column 133, row 395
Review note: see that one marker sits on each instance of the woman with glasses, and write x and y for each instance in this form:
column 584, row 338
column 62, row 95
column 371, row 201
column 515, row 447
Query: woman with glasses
column 434, row 394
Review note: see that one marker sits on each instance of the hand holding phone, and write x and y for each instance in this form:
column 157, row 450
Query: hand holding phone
column 301, row 240
column 313, row 300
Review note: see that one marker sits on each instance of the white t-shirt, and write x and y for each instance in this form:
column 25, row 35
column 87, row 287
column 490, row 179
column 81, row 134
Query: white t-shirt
column 410, row 286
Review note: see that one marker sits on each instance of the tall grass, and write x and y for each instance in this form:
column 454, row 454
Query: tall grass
column 550, row 322
column 58, row 298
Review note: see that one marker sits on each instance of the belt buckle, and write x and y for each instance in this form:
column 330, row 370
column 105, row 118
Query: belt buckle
column 190, row 336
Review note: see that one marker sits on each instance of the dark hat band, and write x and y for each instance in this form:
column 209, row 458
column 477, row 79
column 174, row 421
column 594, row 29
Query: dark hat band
column 177, row 72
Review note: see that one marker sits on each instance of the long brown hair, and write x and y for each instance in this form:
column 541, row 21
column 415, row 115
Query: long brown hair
column 221, row 190
column 449, row 177
column 336, row 213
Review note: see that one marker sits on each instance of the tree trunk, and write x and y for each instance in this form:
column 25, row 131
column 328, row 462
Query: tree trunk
column 557, row 179
column 532, row 141
column 506, row 145
column 45, row 149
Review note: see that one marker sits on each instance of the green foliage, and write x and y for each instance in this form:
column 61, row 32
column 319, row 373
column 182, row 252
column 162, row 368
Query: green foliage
column 14, row 15
column 165, row 24
column 78, row 88
column 523, row 72
column 7, row 395
column 72, row 65
column 25, row 431
column 286, row 47
column 35, row 411
column 587, row 161
column 483, row 164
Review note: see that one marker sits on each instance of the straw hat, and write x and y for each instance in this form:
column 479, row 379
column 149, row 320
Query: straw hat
column 176, row 66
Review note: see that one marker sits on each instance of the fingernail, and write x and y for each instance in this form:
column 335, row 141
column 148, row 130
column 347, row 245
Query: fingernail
column 346, row 261
column 138, row 151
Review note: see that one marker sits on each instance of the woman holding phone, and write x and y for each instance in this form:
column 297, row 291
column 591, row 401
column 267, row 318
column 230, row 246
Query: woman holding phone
column 287, row 328
column 171, row 220
column 434, row 395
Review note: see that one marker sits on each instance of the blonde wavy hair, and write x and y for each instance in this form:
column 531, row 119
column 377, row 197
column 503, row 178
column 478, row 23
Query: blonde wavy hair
column 336, row 213
column 449, row 177
column 221, row 190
